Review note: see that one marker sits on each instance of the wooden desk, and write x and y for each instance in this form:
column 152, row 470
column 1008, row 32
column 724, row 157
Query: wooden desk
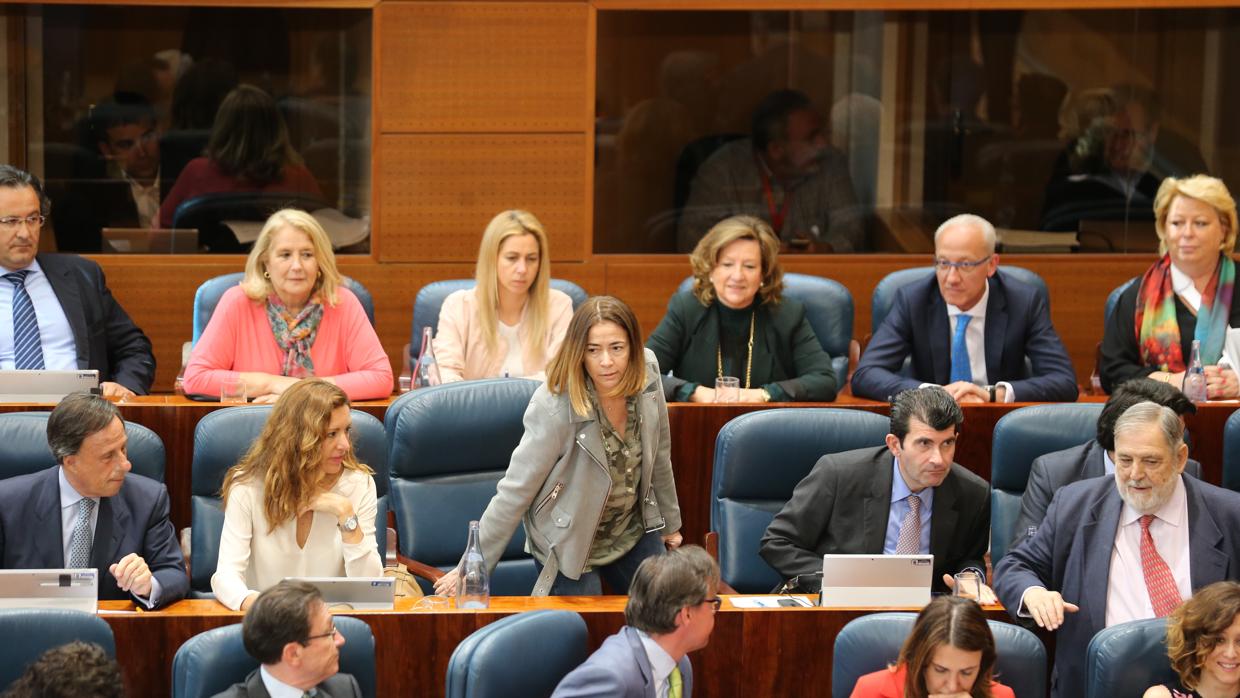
column 752, row 652
column 693, row 430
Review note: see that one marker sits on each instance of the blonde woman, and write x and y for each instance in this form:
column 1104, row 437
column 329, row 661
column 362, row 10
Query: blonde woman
column 290, row 317
column 591, row 479
column 511, row 322
column 298, row 504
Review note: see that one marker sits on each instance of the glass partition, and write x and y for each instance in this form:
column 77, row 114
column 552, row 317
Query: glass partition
column 863, row 131
column 178, row 129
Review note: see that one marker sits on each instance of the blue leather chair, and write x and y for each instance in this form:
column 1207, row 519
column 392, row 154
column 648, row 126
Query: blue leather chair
column 829, row 309
column 870, row 643
column 1019, row 438
column 525, row 654
column 760, row 457
column 208, row 663
column 885, row 291
column 431, row 296
column 1231, row 452
column 1126, row 659
column 207, row 213
column 24, row 435
column 220, row 440
column 1113, row 298
column 449, row 446
column 29, row 632
column 209, row 293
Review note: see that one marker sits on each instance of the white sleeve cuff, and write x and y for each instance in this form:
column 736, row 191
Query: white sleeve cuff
column 1009, row 395
column 1021, row 612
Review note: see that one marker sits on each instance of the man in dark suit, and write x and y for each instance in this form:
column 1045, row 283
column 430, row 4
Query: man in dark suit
column 56, row 311
column 1112, row 550
column 289, row 630
column 968, row 329
column 670, row 613
column 90, row 511
column 1093, row 459
column 907, row 497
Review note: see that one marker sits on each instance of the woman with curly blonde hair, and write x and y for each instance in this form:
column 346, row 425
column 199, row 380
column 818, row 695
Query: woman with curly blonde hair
column 1203, row 643
column 298, row 504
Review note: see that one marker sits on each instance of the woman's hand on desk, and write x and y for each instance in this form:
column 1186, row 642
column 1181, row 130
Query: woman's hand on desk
column 702, row 394
column 446, row 585
column 1221, row 383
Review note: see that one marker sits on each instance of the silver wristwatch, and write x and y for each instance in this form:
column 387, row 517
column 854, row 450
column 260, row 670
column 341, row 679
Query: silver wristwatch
column 349, row 525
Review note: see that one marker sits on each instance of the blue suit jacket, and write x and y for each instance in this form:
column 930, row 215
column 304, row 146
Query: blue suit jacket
column 618, row 669
column 1071, row 553
column 1018, row 324
column 133, row 521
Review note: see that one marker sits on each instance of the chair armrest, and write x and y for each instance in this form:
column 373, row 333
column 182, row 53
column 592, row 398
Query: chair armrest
column 404, row 381
column 1095, row 378
column 179, row 384
column 420, row 569
column 711, row 543
column 854, row 356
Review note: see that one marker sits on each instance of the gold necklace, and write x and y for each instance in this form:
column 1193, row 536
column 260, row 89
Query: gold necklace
column 748, row 356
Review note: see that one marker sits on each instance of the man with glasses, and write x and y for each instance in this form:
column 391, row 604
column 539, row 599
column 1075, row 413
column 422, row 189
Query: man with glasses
column 968, row 329
column 670, row 613
column 56, row 311
column 289, row 630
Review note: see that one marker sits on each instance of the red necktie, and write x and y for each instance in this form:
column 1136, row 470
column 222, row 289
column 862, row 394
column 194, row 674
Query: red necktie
column 1164, row 594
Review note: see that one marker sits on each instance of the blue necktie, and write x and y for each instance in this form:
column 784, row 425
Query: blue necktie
column 27, row 348
column 961, row 370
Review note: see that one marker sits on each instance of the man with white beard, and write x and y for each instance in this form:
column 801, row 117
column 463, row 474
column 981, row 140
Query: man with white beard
column 1117, row 549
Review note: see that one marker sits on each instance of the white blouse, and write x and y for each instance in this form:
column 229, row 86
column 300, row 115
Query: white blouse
column 251, row 559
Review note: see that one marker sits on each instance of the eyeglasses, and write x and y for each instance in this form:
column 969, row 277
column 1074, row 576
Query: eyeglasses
column 34, row 221
column 330, row 633
column 946, row 266
column 714, row 601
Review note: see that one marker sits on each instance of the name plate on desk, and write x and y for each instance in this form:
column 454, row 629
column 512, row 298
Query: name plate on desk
column 876, row 581
column 45, row 386
column 73, row 589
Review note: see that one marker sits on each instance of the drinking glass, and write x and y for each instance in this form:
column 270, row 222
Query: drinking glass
column 727, row 389
column 233, row 392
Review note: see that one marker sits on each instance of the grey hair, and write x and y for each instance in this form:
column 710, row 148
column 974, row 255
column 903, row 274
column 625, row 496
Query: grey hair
column 1143, row 414
column 987, row 228
column 76, row 417
column 666, row 583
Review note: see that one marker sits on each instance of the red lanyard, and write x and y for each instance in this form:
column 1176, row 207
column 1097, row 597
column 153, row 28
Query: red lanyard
column 777, row 215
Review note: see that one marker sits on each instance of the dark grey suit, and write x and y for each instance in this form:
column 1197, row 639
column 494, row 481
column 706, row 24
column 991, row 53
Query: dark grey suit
column 619, row 668
column 338, row 686
column 135, row 520
column 842, row 507
column 1054, row 470
column 1071, row 553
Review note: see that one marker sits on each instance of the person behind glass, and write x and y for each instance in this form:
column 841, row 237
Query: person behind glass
column 290, row 317
column 736, row 322
column 511, row 322
column 1203, row 643
column 249, row 151
column 1185, row 295
column 298, row 504
column 950, row 653
column 595, row 449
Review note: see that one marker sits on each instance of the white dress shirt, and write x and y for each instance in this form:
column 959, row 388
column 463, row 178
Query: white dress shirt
column 1127, row 596
column 277, row 688
column 661, row 665
column 145, row 200
column 55, row 334
column 69, row 498
column 975, row 341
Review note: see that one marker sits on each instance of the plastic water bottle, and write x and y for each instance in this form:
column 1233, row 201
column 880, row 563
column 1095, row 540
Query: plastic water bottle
column 474, row 588
column 1195, row 376
column 426, row 373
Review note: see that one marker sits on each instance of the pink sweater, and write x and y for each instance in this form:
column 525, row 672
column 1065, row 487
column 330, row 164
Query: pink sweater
column 460, row 348
column 238, row 338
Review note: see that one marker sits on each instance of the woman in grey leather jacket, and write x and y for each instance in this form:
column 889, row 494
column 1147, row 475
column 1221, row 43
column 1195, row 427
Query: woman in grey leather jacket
column 591, row 479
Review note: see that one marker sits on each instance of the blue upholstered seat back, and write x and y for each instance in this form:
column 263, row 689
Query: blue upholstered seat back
column 449, row 446
column 24, row 435
column 1126, row 659
column 221, row 439
column 525, row 654
column 760, row 457
column 1019, row 438
column 209, row 293
column 29, row 632
column 885, row 291
column 431, row 296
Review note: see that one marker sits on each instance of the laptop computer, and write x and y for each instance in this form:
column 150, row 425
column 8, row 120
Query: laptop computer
column 876, row 580
column 358, row 593
column 45, row 386
column 73, row 589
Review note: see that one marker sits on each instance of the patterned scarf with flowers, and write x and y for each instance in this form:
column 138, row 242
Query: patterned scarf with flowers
column 295, row 334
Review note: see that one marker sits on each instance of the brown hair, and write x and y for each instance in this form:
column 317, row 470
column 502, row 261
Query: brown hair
column 567, row 370
column 953, row 621
column 249, row 139
column 1195, row 628
column 287, row 454
column 727, row 231
column 1203, row 188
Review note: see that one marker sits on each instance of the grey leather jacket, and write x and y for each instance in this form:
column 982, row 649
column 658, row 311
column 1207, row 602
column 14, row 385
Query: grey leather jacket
column 558, row 482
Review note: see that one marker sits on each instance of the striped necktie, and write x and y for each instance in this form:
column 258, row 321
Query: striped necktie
column 27, row 347
column 82, row 538
column 1159, row 582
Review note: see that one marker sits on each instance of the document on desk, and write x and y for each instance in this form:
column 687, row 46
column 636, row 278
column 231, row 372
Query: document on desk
column 770, row 601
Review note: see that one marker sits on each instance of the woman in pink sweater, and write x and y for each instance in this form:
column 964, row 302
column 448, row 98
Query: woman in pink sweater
column 290, row 317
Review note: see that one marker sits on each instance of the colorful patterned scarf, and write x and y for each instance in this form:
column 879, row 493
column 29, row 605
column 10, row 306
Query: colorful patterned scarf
column 1158, row 334
column 295, row 335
